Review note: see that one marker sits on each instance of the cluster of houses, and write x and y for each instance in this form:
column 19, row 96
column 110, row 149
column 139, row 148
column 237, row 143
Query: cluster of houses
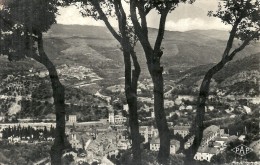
column 174, row 145
column 29, row 139
column 116, row 119
column 72, row 72
column 214, row 141
column 106, row 137
column 97, row 139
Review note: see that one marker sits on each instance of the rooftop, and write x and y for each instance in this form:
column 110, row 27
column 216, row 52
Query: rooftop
column 210, row 150
column 210, row 130
column 217, row 144
column 181, row 127
column 155, row 140
column 174, row 142
column 221, row 139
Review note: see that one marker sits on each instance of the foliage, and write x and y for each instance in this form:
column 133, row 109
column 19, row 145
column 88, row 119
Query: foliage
column 68, row 159
column 241, row 13
column 28, row 133
column 23, row 18
column 225, row 78
column 23, row 154
column 149, row 158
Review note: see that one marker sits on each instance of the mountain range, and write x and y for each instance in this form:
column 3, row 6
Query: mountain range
column 95, row 45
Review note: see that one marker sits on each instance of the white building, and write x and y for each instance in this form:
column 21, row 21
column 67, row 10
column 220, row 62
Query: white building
column 210, row 133
column 182, row 130
column 126, row 108
column 206, row 153
column 119, row 119
column 116, row 119
column 189, row 142
column 152, row 114
column 72, row 119
column 213, row 141
column 148, row 132
column 174, row 145
column 111, row 117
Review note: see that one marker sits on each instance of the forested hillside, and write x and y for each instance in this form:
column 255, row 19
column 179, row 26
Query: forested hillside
column 238, row 77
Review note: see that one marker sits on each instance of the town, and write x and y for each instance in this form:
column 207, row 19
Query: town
column 98, row 141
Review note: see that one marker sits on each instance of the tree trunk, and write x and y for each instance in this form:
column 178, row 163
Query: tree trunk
column 131, row 97
column 200, row 113
column 59, row 103
column 134, row 128
column 58, row 95
column 160, row 117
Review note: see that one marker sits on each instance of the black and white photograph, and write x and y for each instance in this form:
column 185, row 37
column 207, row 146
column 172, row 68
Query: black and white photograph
column 129, row 82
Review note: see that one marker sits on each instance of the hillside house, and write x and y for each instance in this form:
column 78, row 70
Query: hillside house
column 209, row 108
column 206, row 153
column 168, row 103
column 72, row 119
column 148, row 132
column 123, row 144
column 125, row 107
column 116, row 119
column 14, row 140
column 189, row 142
column 189, row 107
column 182, row 130
column 186, row 97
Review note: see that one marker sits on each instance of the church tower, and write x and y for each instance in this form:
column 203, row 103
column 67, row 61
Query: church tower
column 152, row 114
column 111, row 115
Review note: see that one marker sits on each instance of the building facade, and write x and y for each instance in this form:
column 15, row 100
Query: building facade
column 174, row 145
column 181, row 130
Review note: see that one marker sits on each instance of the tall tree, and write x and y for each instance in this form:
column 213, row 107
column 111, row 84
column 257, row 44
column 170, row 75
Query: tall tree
column 103, row 10
column 24, row 22
column 244, row 17
column 153, row 57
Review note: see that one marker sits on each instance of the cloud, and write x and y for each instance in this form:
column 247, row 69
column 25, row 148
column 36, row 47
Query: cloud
column 186, row 24
column 185, row 17
column 71, row 15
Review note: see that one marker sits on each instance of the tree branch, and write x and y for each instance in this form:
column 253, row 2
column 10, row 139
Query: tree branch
column 231, row 38
column 161, row 31
column 103, row 17
column 134, row 19
column 241, row 47
column 139, row 32
column 143, row 14
column 137, row 69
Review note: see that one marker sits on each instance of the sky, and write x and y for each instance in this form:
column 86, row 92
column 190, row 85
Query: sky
column 185, row 17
